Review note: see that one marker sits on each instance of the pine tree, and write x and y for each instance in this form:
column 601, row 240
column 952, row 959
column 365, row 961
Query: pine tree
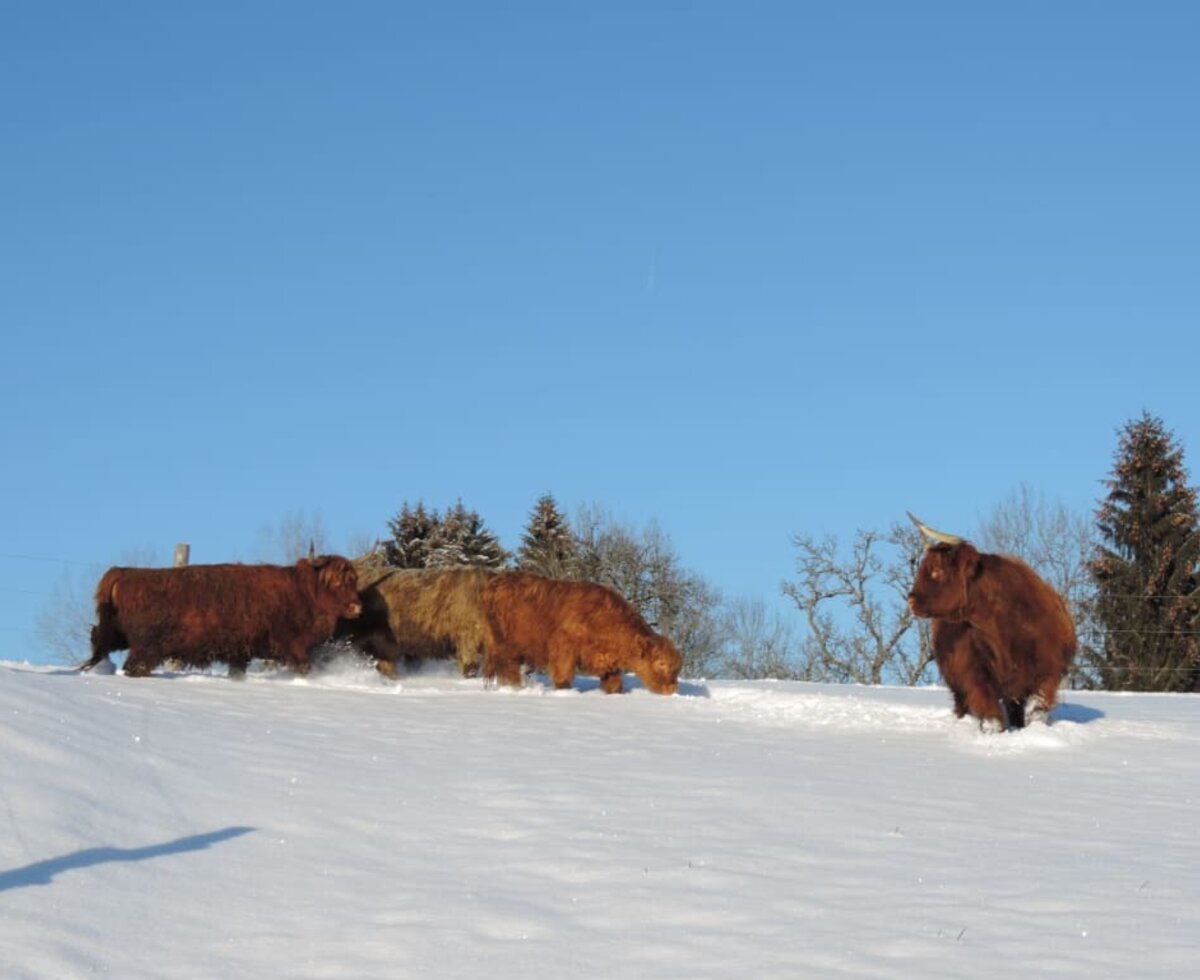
column 548, row 547
column 462, row 538
column 1146, row 567
column 425, row 539
column 413, row 537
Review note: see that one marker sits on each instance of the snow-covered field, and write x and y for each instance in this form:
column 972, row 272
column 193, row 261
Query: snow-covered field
column 345, row 827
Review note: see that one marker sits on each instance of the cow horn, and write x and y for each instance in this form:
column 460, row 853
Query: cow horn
column 933, row 535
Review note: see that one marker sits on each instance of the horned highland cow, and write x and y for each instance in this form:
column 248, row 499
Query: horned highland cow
column 564, row 627
column 204, row 614
column 412, row 615
column 1001, row 635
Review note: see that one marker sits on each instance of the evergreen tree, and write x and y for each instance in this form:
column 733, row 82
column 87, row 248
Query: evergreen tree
column 1146, row 567
column 425, row 539
column 548, row 547
column 413, row 537
column 462, row 538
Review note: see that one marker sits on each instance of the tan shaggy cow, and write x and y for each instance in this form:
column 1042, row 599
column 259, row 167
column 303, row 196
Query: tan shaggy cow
column 419, row 614
column 563, row 627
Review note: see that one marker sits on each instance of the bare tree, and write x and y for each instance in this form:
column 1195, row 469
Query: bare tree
column 298, row 534
column 757, row 643
column 1053, row 540
column 361, row 543
column 860, row 628
column 1058, row 544
column 64, row 623
column 645, row 569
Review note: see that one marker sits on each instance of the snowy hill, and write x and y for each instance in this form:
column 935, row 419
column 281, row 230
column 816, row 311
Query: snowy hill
column 344, row 827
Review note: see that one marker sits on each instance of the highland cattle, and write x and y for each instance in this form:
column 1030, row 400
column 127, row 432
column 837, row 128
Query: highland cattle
column 413, row 615
column 565, row 627
column 232, row 613
column 1001, row 635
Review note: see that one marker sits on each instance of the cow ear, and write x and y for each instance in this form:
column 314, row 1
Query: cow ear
column 969, row 562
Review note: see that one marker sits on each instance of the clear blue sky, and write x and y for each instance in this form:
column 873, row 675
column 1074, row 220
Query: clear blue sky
column 748, row 269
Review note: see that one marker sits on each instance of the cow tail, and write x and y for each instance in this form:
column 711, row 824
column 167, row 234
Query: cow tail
column 106, row 634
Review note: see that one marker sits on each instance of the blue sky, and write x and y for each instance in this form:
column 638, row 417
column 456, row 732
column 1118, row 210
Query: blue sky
column 747, row 269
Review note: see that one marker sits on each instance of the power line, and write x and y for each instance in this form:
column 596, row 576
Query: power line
column 57, row 561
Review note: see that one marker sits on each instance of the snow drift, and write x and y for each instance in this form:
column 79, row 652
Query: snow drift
column 344, row 827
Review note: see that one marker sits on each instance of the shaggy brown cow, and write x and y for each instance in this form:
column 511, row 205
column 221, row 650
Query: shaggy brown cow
column 201, row 614
column 1001, row 635
column 419, row 614
column 564, row 626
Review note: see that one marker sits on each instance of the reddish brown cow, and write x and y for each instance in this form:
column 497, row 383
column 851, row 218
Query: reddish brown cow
column 566, row 626
column 1001, row 635
column 201, row 614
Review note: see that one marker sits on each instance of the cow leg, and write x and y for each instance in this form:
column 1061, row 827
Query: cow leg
column 562, row 673
column 469, row 657
column 386, row 667
column 612, row 683
column 560, row 665
column 140, row 663
column 1013, row 710
column 502, row 665
column 106, row 637
column 960, row 702
column 1046, row 697
column 984, row 704
column 295, row 655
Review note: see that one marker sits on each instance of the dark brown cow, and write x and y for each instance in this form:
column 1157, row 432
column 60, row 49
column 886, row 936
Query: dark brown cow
column 1001, row 635
column 567, row 626
column 202, row 614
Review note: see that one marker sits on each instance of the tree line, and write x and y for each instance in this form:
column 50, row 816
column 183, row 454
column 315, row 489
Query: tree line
column 1130, row 574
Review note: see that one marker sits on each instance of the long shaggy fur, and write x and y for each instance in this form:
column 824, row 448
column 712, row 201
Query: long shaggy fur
column 420, row 614
column 201, row 614
column 567, row 626
column 1001, row 635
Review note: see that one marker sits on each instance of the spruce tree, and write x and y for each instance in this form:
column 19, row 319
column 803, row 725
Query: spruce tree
column 413, row 537
column 1146, row 567
column 462, row 538
column 425, row 539
column 548, row 547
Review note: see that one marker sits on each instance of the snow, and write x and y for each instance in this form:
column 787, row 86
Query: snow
column 341, row 826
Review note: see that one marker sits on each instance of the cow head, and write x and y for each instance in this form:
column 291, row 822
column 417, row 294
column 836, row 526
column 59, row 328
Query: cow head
column 659, row 665
column 337, row 579
column 944, row 580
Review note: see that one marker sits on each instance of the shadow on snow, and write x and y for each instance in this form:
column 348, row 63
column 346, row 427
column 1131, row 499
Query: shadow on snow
column 1080, row 714
column 586, row 685
column 43, row 872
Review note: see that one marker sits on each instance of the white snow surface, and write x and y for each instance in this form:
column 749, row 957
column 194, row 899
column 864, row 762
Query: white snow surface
column 342, row 826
